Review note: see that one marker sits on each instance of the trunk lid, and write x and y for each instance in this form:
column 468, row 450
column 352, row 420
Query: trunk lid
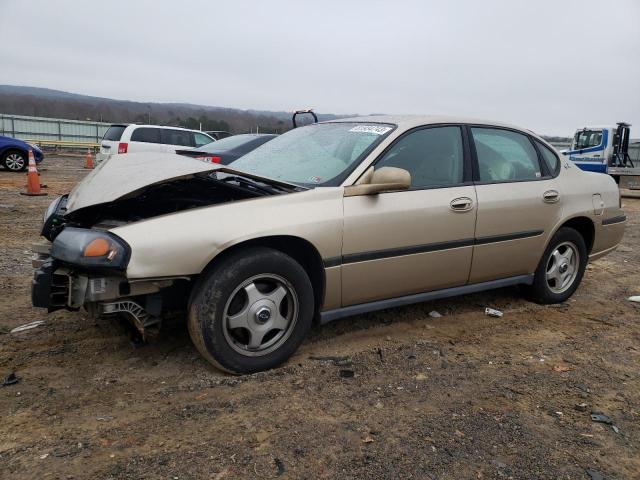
column 111, row 139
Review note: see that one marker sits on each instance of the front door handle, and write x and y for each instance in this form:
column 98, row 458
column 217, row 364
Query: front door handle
column 462, row 204
column 551, row 196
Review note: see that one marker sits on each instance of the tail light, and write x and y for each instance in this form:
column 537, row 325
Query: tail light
column 122, row 147
column 210, row 159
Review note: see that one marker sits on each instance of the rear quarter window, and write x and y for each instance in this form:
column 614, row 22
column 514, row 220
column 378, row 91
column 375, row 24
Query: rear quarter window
column 550, row 158
column 114, row 133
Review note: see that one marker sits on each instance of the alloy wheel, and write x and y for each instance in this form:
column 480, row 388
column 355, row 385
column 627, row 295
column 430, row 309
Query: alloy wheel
column 14, row 162
column 260, row 315
column 562, row 267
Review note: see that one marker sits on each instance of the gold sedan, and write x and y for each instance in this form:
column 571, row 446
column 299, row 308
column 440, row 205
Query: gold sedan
column 326, row 221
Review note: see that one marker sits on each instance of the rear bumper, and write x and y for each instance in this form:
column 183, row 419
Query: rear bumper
column 101, row 157
column 608, row 236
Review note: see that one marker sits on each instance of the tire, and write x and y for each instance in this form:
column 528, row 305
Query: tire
column 15, row 161
column 251, row 311
column 559, row 273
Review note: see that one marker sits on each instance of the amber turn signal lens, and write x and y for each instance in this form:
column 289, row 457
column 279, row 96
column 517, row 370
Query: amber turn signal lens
column 98, row 247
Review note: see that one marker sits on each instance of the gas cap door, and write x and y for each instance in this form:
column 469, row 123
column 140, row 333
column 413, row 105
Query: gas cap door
column 598, row 204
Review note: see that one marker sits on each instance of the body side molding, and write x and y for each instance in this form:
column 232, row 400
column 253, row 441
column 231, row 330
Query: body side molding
column 431, row 247
column 612, row 220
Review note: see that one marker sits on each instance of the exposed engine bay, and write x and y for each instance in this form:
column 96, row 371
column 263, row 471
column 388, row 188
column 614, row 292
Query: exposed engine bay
column 152, row 201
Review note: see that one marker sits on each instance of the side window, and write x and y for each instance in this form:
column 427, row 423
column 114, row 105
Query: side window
column 147, row 135
column 504, row 155
column 177, row 137
column 550, row 158
column 201, row 139
column 433, row 156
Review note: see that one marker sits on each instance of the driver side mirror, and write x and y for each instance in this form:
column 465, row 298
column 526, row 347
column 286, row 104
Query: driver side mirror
column 385, row 179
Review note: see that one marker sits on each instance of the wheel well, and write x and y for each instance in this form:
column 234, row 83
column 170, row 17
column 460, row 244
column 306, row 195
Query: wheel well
column 585, row 227
column 8, row 150
column 297, row 248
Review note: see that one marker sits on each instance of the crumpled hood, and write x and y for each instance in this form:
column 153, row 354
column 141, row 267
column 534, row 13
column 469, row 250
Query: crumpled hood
column 124, row 174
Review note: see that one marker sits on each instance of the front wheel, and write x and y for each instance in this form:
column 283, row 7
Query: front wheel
column 251, row 311
column 561, row 268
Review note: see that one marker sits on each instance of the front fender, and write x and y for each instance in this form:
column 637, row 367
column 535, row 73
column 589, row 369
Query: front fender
column 184, row 243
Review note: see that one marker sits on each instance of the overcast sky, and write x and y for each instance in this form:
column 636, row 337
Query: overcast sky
column 549, row 65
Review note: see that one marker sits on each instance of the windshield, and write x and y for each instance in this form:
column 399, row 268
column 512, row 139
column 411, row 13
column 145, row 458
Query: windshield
column 588, row 138
column 318, row 154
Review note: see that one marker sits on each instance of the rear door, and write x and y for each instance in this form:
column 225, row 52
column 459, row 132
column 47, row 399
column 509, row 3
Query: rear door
column 417, row 240
column 145, row 139
column 519, row 203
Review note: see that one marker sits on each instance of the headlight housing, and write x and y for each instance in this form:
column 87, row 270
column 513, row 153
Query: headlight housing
column 52, row 219
column 51, row 209
column 91, row 248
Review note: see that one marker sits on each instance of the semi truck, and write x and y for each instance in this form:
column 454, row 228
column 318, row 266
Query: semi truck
column 604, row 149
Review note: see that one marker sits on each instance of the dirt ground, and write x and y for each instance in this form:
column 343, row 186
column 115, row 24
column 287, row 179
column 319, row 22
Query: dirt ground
column 464, row 396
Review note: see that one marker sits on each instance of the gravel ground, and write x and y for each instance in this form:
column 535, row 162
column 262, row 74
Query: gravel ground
column 464, row 396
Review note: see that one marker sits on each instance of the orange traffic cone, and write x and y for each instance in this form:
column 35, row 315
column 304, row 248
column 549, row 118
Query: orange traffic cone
column 33, row 181
column 88, row 160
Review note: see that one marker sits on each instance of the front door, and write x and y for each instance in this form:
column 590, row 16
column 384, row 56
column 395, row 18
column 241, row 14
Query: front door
column 405, row 242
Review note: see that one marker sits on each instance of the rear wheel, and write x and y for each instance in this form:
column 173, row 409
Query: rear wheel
column 14, row 161
column 561, row 268
column 252, row 311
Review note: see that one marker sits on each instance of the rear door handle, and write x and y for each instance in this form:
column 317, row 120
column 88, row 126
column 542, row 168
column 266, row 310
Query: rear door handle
column 551, row 196
column 462, row 204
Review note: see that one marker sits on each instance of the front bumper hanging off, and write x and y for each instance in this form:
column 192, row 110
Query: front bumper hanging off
column 57, row 287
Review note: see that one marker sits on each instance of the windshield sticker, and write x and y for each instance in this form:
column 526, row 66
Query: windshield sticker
column 315, row 179
column 377, row 129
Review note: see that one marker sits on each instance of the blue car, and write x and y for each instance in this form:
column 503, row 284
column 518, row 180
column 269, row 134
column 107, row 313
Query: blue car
column 14, row 154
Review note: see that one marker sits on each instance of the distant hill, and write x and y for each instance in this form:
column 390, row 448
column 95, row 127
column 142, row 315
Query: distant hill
column 44, row 102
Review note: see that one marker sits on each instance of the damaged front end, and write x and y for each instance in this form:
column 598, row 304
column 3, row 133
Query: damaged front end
column 58, row 286
column 87, row 268
column 82, row 264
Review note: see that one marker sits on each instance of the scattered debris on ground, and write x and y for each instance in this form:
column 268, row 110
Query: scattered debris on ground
column 10, row 379
column 600, row 418
column 492, row 312
column 27, row 326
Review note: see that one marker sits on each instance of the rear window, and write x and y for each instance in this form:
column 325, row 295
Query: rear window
column 114, row 133
column 177, row 137
column 229, row 143
column 201, row 139
column 146, row 135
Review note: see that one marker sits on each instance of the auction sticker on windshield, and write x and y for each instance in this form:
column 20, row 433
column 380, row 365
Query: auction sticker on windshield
column 377, row 129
